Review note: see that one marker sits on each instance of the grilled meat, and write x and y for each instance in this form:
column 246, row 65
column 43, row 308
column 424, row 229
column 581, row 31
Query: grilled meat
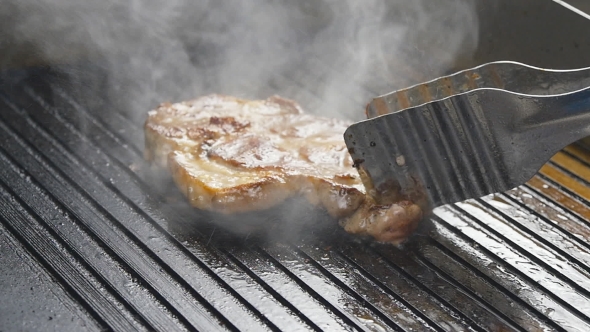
column 232, row 155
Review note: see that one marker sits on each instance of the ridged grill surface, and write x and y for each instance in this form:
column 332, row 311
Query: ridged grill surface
column 88, row 241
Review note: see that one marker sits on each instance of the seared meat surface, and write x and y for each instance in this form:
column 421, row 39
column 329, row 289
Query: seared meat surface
column 231, row 155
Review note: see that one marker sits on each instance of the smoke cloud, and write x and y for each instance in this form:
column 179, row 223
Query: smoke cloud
column 330, row 55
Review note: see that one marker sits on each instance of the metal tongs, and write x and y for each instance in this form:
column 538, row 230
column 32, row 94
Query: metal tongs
column 467, row 135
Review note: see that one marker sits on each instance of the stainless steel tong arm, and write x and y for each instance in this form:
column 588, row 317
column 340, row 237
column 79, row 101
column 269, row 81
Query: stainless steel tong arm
column 477, row 132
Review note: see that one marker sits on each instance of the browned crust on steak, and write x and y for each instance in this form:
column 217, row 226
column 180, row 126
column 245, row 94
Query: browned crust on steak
column 386, row 223
column 231, row 156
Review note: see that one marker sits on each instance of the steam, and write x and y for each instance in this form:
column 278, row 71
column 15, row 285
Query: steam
column 332, row 56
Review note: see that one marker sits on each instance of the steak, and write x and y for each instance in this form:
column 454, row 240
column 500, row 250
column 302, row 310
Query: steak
column 231, row 155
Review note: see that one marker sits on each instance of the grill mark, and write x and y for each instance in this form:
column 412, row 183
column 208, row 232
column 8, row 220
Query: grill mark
column 156, row 294
column 565, row 190
column 276, row 281
column 121, row 161
column 556, row 250
column 574, row 203
column 390, row 292
column 271, row 291
column 564, row 233
column 571, row 314
column 532, row 258
column 577, row 165
column 559, row 178
column 119, row 126
column 407, row 275
column 41, row 243
column 472, row 307
column 212, row 274
column 572, row 175
column 346, row 289
column 495, row 286
column 65, row 300
column 155, row 319
column 46, row 82
column 215, row 276
column 349, row 319
column 570, row 152
column 55, row 171
column 578, row 151
column 401, row 275
column 483, row 251
column 328, row 286
column 507, row 320
column 231, row 263
column 133, row 175
column 132, row 154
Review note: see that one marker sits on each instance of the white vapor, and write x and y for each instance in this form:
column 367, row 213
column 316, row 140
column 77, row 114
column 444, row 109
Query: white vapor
column 330, row 55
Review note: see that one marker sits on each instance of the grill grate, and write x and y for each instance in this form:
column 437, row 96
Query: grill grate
column 76, row 209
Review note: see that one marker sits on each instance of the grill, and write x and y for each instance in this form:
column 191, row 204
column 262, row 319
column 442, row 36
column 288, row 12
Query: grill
column 89, row 240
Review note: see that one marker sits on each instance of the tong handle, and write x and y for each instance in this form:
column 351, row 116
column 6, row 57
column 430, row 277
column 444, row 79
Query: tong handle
column 529, row 130
column 505, row 75
column 468, row 145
